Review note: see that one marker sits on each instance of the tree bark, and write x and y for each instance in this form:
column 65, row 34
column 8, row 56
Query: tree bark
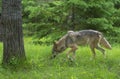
column 1, row 31
column 13, row 45
column 73, row 17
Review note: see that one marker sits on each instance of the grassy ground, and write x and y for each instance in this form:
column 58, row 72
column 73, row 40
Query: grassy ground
column 39, row 66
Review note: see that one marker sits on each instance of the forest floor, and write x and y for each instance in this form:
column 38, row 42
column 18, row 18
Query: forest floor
column 40, row 66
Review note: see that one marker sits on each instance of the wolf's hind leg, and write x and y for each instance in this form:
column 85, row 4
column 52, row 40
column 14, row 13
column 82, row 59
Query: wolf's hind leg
column 101, row 50
column 92, row 47
column 93, row 51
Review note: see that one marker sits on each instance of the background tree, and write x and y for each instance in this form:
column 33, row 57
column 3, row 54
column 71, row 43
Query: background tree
column 1, row 30
column 13, row 46
column 45, row 19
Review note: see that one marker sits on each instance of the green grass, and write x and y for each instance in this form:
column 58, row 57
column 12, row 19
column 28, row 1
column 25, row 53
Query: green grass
column 40, row 66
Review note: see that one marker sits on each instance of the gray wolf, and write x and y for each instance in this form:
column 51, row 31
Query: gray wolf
column 73, row 39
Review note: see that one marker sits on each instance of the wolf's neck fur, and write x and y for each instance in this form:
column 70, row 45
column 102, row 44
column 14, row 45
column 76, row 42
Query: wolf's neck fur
column 61, row 40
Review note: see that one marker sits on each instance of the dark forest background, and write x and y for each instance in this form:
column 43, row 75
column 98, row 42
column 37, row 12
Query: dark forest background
column 48, row 20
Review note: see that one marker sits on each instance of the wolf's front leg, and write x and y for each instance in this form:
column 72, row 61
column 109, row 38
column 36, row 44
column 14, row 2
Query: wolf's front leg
column 73, row 49
column 74, row 55
column 68, row 54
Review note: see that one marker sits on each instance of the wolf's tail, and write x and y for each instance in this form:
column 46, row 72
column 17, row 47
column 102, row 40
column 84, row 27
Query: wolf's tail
column 105, row 43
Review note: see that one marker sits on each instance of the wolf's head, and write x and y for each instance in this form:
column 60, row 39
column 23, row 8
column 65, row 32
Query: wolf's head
column 58, row 47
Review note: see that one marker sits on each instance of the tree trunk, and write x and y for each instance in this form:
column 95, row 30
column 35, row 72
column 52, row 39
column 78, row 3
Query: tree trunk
column 1, row 31
column 73, row 18
column 13, row 35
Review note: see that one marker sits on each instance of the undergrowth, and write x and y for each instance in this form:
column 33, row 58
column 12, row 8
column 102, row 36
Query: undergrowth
column 40, row 66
